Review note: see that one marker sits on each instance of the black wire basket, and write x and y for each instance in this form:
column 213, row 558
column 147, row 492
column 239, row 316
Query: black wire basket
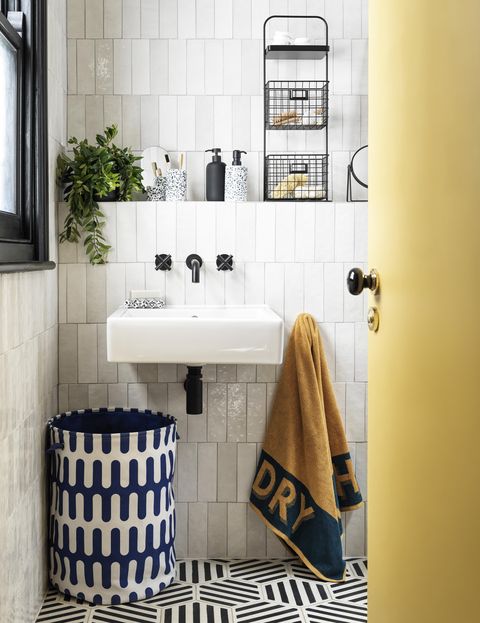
column 296, row 104
column 296, row 177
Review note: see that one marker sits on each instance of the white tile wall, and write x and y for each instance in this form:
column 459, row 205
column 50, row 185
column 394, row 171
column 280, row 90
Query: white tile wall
column 180, row 55
column 293, row 257
column 29, row 358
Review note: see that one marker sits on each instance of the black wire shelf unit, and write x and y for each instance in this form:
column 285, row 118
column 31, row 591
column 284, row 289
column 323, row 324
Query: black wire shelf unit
column 296, row 105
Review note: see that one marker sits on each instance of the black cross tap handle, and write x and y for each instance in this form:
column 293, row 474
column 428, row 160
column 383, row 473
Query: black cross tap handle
column 163, row 262
column 224, row 261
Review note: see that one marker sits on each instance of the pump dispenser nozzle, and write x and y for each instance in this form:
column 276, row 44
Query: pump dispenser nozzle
column 237, row 157
column 216, row 153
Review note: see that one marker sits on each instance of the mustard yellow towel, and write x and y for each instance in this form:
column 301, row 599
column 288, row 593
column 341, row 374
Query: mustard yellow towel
column 305, row 475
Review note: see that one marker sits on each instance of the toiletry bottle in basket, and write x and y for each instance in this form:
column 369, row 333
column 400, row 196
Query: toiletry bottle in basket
column 236, row 179
column 215, row 177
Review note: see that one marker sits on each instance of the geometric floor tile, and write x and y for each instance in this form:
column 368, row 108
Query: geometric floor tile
column 137, row 612
column 174, row 594
column 197, row 613
column 55, row 611
column 357, row 567
column 297, row 592
column 337, row 612
column 257, row 570
column 229, row 592
column 200, row 571
column 267, row 612
column 354, row 589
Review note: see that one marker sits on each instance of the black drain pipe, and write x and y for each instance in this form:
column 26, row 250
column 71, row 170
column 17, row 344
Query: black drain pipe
column 194, row 388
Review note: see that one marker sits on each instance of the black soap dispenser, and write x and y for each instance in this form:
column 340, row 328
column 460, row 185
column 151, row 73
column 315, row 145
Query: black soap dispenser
column 215, row 177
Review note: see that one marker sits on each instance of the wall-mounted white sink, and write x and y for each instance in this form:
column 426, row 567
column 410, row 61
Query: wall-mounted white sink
column 196, row 335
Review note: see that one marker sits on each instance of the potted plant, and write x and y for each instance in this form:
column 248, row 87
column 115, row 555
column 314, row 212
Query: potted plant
column 100, row 172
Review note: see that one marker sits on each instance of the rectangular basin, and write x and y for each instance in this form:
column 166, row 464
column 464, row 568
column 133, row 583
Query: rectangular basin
column 196, row 335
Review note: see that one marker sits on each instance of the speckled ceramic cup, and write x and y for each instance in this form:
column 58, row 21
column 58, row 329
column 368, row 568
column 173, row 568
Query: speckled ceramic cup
column 176, row 185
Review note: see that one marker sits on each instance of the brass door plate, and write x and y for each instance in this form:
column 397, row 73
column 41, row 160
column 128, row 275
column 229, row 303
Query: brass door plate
column 373, row 318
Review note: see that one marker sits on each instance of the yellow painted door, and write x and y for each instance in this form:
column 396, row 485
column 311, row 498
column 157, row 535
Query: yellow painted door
column 424, row 362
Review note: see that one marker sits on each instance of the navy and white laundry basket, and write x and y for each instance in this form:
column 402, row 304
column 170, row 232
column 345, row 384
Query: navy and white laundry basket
column 112, row 509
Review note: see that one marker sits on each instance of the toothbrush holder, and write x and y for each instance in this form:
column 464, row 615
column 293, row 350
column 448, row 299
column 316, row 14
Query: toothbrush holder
column 176, row 185
column 158, row 191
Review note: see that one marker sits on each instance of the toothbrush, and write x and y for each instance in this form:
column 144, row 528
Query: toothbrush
column 154, row 169
column 167, row 160
column 182, row 158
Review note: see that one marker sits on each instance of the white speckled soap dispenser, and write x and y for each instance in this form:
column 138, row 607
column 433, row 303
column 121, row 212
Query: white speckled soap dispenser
column 236, row 179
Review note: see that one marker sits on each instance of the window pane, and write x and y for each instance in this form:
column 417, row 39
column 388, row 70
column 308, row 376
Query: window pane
column 8, row 126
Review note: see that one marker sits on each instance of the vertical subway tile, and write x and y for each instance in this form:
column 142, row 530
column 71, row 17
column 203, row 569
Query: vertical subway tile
column 146, row 231
column 149, row 18
column 85, row 66
column 206, row 226
column 87, row 353
column 355, row 411
column 226, row 228
column 195, row 67
column 168, row 122
column 107, row 370
column 242, row 20
column 265, row 232
column 72, row 66
column 181, row 529
column 334, row 17
column 97, row 396
column 360, row 67
column 223, row 19
column 186, row 19
column 214, row 67
column 334, row 287
column 77, row 397
column 227, row 472
column 149, row 125
column 67, row 353
column 285, row 232
column 205, row 19
column 168, row 19
column 76, row 293
column 314, row 293
column 344, row 351
column 187, row 472
column 251, row 53
column 137, row 395
column 94, row 123
column 157, row 397
column 159, row 69
column 134, row 278
column 75, row 19
column 217, row 412
column 256, row 411
column 342, row 67
column 103, row 66
column 232, row 66
column 186, row 123
column 115, row 286
column 236, row 412
column 256, row 535
column 324, row 232
column 96, row 277
column 131, row 19
column 207, row 472
column 246, row 464
column 197, row 530
column 93, row 19
column 361, row 349
column 126, row 232
column 245, row 232
column 361, row 232
column 305, row 232
column 122, row 72
column 177, row 51
column 274, row 287
column 254, row 283
column 237, row 530
column 217, row 530
column 294, row 293
column 344, row 231
column 112, row 113
column 203, row 123
column 131, row 121
column 223, row 123
column 112, row 19
column 141, row 67
column 117, row 395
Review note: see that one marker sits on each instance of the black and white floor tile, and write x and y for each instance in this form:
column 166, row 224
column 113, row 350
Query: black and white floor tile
column 232, row 591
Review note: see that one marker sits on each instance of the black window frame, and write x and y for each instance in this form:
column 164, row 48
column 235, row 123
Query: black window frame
column 24, row 235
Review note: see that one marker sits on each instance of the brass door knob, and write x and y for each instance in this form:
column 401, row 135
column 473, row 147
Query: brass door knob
column 357, row 281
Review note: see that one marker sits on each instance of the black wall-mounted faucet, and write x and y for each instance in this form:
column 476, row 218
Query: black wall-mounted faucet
column 194, row 263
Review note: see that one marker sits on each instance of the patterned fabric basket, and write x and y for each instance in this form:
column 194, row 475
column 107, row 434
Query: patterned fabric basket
column 112, row 510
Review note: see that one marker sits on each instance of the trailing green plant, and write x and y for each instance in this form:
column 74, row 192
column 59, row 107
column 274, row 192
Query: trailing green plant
column 90, row 174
